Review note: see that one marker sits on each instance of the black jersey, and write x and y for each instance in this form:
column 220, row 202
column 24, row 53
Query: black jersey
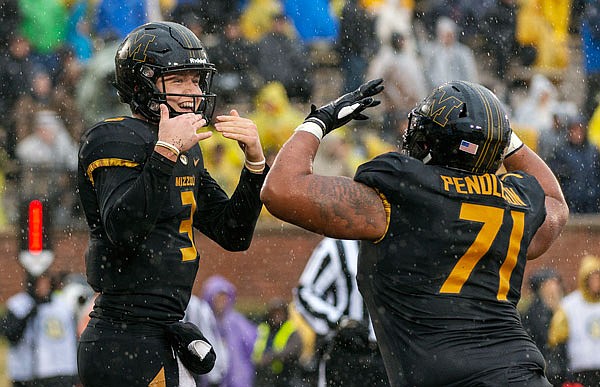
column 141, row 209
column 443, row 283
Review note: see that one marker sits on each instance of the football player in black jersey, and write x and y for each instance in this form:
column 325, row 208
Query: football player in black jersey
column 444, row 235
column 144, row 190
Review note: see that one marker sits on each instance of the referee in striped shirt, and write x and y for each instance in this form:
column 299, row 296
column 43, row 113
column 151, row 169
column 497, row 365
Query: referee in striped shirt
column 328, row 299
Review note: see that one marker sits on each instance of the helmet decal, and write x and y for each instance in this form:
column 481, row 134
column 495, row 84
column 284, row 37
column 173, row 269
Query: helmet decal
column 140, row 46
column 441, row 108
column 468, row 147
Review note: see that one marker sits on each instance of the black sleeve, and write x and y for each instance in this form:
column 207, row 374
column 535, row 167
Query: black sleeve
column 230, row 222
column 13, row 327
column 131, row 181
column 385, row 171
column 130, row 201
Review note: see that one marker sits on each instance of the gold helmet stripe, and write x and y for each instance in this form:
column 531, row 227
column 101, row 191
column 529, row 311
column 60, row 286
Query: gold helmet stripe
column 498, row 124
column 489, row 130
column 184, row 35
column 485, row 156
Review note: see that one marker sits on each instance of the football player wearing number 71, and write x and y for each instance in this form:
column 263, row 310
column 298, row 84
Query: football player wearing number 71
column 444, row 235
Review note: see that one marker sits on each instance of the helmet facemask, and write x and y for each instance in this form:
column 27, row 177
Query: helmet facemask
column 414, row 140
column 150, row 75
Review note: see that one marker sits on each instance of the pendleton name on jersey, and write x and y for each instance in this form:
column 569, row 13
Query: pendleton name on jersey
column 142, row 209
column 449, row 273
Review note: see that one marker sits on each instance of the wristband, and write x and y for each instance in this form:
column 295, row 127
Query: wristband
column 168, row 146
column 514, row 145
column 255, row 170
column 255, row 166
column 312, row 128
column 256, row 163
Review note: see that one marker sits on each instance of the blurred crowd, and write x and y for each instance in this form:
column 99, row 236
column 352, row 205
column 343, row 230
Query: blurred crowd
column 274, row 57
column 565, row 326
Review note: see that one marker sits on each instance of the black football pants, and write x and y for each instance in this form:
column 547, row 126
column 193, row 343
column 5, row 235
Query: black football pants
column 121, row 355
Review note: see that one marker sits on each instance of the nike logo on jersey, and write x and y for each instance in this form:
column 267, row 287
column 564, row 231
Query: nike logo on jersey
column 196, row 161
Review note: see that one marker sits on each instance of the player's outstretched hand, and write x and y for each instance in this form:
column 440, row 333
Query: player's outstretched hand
column 235, row 127
column 346, row 108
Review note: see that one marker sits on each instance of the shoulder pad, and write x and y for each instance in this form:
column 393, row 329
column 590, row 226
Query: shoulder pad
column 126, row 139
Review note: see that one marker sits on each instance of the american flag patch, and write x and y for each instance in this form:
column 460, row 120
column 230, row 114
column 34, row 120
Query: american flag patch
column 468, row 147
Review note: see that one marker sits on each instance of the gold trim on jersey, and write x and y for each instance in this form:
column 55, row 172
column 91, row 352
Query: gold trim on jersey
column 159, row 380
column 109, row 162
column 388, row 214
column 504, row 176
column 116, row 119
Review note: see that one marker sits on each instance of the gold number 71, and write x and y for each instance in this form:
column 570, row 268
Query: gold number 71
column 492, row 218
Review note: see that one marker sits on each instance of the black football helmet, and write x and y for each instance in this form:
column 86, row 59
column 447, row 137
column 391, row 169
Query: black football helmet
column 460, row 125
column 150, row 52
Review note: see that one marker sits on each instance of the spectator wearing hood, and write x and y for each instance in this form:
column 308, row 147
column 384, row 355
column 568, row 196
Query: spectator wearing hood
column 536, row 110
column 549, row 141
column 446, row 58
column 41, row 331
column 405, row 87
column 275, row 117
column 256, row 19
column 577, row 324
column 238, row 332
column 47, row 157
column 545, row 26
column 282, row 57
column 49, row 145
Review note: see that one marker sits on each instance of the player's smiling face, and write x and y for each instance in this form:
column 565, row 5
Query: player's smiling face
column 182, row 82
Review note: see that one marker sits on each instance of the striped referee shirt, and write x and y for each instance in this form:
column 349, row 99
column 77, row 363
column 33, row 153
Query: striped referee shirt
column 327, row 291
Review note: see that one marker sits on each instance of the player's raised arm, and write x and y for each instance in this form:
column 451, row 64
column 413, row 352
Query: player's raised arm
column 520, row 157
column 335, row 206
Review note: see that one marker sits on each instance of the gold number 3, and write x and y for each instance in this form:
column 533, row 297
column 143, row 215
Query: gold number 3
column 491, row 217
column 188, row 253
